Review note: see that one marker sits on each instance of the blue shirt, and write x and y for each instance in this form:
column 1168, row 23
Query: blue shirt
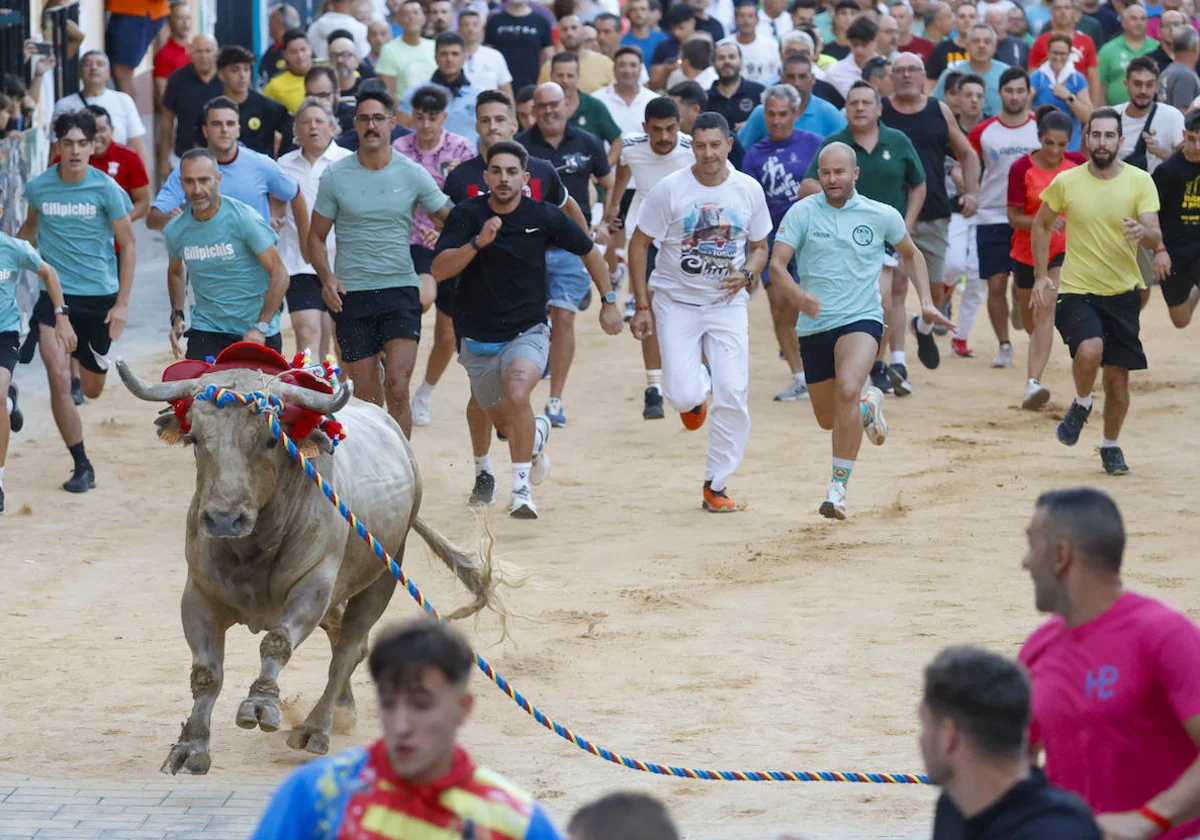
column 991, row 91
column 647, row 44
column 460, row 113
column 839, row 253
column 15, row 254
column 221, row 255
column 780, row 168
column 75, row 228
column 251, row 178
column 1043, row 94
column 819, row 117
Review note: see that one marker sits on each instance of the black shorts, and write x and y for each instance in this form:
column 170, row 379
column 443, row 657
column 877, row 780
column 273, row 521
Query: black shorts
column 203, row 345
column 304, row 292
column 370, row 319
column 1113, row 318
column 994, row 244
column 766, row 275
column 422, row 259
column 9, row 344
column 651, row 260
column 1023, row 274
column 446, row 290
column 87, row 314
column 817, row 349
column 1185, row 273
column 626, row 201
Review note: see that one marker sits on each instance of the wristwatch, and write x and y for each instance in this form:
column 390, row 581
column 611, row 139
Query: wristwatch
column 263, row 327
column 749, row 277
column 611, row 297
column 176, row 313
column 62, row 310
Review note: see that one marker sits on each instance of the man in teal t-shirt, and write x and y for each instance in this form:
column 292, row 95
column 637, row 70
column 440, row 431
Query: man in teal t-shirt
column 372, row 291
column 838, row 239
column 233, row 267
column 75, row 213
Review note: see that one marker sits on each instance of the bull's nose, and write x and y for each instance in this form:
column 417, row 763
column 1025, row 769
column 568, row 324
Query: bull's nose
column 225, row 524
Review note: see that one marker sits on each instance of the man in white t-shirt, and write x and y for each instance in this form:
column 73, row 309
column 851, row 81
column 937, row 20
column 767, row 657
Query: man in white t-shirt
column 626, row 98
column 712, row 226
column 760, row 53
column 127, row 125
column 485, row 67
column 1165, row 135
column 339, row 16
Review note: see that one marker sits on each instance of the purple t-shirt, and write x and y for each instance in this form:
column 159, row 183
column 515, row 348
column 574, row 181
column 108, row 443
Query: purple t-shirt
column 453, row 150
column 780, row 168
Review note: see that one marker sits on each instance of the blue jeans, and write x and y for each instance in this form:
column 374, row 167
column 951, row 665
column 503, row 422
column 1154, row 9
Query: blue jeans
column 568, row 279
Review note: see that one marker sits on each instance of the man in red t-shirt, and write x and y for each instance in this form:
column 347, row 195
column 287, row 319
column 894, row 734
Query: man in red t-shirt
column 120, row 163
column 175, row 53
column 1064, row 14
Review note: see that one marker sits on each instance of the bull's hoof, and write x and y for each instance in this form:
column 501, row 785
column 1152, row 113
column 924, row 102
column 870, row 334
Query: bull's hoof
column 309, row 739
column 345, row 718
column 189, row 756
column 262, row 712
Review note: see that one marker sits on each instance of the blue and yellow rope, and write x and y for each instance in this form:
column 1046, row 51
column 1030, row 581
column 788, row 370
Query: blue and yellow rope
column 270, row 406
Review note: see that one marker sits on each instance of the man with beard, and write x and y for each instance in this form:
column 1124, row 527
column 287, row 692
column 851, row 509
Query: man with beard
column 1110, row 208
column 595, row 69
column 731, row 95
column 759, row 53
column 460, row 102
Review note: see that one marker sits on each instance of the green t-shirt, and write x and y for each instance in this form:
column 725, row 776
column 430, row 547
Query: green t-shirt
column 15, row 254
column 592, row 116
column 1112, row 60
column 75, row 228
column 221, row 255
column 886, row 174
column 372, row 212
column 410, row 65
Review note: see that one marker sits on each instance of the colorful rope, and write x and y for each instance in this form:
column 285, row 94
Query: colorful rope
column 270, row 405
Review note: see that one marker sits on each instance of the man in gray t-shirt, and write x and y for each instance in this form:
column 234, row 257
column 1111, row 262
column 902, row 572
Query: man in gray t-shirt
column 1180, row 84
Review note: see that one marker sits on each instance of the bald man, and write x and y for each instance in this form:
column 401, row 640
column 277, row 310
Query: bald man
column 188, row 88
column 841, row 312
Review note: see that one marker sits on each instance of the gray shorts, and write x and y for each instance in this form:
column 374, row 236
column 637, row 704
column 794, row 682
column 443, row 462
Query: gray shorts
column 932, row 238
column 487, row 372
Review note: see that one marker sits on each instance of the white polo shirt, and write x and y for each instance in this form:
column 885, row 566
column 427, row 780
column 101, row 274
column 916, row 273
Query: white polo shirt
column 308, row 176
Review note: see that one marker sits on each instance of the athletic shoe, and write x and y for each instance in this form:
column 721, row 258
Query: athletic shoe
column 1072, row 424
column 796, row 390
column 880, row 378
column 875, row 426
column 484, row 492
column 1, row 500
column 899, row 376
column 422, row 408
column 554, row 410
column 630, row 307
column 619, row 277
column 82, row 480
column 1036, row 396
column 717, row 501
column 927, row 349
column 960, row 348
column 652, row 408
column 15, row 418
column 1004, row 358
column 948, row 311
column 522, row 505
column 541, row 461
column 1113, row 460
column 76, row 392
column 834, row 506
column 587, row 300
column 694, row 419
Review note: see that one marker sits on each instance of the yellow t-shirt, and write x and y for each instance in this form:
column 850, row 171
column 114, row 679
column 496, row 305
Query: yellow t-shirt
column 1099, row 260
column 595, row 71
column 287, row 89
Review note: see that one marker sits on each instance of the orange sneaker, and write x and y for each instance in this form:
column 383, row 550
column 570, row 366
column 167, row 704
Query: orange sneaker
column 717, row 501
column 694, row 419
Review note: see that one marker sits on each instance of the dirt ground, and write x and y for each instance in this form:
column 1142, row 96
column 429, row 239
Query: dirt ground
column 770, row 639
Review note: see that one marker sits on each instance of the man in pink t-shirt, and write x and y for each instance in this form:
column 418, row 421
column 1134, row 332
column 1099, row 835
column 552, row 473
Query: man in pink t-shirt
column 1116, row 676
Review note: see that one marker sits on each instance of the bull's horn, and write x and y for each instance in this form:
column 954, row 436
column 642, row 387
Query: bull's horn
column 315, row 400
column 157, row 391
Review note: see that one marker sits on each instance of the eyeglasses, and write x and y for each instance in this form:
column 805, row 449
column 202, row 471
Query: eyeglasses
column 372, row 119
column 335, row 56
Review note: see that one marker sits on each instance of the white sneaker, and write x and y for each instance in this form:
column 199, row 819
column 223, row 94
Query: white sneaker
column 422, row 407
column 541, row 461
column 630, row 307
column 1005, row 357
column 522, row 505
column 796, row 390
column 876, row 426
column 619, row 277
column 834, row 506
column 1036, row 395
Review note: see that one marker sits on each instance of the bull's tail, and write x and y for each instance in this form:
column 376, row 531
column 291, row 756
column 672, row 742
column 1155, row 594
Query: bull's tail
column 478, row 573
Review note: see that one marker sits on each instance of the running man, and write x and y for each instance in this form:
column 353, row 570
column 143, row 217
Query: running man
column 838, row 240
column 711, row 225
column 374, row 295
column 1110, row 208
column 17, row 255
column 1178, row 182
column 496, row 245
column 235, row 272
column 415, row 776
column 75, row 213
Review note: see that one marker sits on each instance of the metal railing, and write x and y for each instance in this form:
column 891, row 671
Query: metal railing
column 58, row 19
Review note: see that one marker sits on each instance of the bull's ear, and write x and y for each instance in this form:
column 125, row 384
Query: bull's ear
column 315, row 444
column 169, row 430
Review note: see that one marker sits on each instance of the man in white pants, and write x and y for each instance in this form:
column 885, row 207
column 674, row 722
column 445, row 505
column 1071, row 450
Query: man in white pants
column 711, row 225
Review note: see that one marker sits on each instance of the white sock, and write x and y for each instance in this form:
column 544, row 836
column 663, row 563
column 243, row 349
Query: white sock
column 924, row 327
column 654, row 379
column 799, row 377
column 1033, row 382
column 1105, row 443
column 521, row 476
column 425, row 390
column 483, row 464
column 8, row 405
column 1086, row 402
column 713, row 485
column 1, row 478
column 899, row 357
column 554, row 403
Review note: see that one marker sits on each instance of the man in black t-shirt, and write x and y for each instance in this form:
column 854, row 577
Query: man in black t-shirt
column 1178, row 182
column 954, row 48
column 266, row 126
column 523, row 37
column 188, row 89
column 496, row 245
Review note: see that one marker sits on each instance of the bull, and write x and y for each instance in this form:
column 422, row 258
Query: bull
column 266, row 549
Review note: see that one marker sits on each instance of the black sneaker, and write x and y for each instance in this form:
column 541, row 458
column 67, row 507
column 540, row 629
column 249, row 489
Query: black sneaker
column 83, row 479
column 485, row 490
column 1, row 500
column 948, row 311
column 15, row 418
column 1113, row 460
column 880, row 378
column 1072, row 424
column 76, row 391
column 653, row 407
column 927, row 349
column 899, row 376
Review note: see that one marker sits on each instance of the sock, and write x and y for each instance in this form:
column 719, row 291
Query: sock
column 1, row 478
column 424, row 390
column 78, row 454
column 483, row 464
column 713, row 485
column 521, row 476
column 1085, row 402
column 899, row 357
column 654, row 380
column 799, row 377
column 8, row 405
column 1105, row 443
column 554, row 404
column 841, row 470
column 1032, row 381
column 923, row 327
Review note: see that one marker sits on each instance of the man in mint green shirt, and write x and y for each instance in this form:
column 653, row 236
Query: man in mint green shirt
column 837, row 239
column 372, row 292
column 232, row 265
column 1115, row 56
column 409, row 60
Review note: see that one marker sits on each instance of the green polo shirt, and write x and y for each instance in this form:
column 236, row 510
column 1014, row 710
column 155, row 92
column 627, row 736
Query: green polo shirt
column 886, row 174
column 1112, row 60
column 592, row 116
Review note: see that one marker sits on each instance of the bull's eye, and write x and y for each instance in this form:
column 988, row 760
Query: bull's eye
column 272, row 443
